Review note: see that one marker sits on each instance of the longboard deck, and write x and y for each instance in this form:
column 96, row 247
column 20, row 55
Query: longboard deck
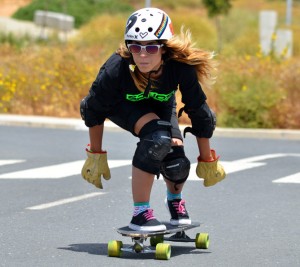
column 126, row 231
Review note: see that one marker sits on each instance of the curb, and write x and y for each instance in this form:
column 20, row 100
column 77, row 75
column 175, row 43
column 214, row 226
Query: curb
column 78, row 124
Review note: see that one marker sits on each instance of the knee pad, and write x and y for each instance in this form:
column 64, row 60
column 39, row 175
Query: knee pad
column 154, row 145
column 176, row 166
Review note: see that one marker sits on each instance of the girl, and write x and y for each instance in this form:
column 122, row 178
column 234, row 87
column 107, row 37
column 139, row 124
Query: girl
column 135, row 89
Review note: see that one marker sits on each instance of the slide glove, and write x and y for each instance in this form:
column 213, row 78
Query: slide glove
column 95, row 166
column 211, row 171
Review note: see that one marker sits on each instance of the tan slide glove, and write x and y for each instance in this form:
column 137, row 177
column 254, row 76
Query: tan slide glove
column 211, row 171
column 95, row 166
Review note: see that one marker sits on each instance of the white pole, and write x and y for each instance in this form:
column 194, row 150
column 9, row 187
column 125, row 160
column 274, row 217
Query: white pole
column 147, row 3
column 289, row 12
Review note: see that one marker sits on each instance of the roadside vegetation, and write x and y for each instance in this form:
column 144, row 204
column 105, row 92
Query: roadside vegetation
column 252, row 90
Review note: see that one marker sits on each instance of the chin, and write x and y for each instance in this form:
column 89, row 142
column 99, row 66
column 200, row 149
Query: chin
column 144, row 69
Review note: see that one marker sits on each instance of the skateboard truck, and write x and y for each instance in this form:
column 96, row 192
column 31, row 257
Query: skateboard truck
column 138, row 246
column 179, row 237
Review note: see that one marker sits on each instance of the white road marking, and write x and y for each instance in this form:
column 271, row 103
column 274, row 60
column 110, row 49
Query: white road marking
column 64, row 201
column 251, row 162
column 10, row 161
column 230, row 167
column 293, row 179
column 74, row 168
column 57, row 171
column 262, row 157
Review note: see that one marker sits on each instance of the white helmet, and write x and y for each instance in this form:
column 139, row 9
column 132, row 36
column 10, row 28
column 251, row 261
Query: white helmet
column 148, row 24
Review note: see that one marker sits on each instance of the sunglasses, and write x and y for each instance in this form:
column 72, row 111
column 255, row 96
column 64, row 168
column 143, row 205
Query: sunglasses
column 150, row 49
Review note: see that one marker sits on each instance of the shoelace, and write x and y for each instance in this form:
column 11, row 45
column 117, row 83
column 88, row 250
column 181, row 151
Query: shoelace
column 179, row 206
column 149, row 215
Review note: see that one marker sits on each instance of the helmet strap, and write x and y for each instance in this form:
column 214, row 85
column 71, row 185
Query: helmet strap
column 149, row 84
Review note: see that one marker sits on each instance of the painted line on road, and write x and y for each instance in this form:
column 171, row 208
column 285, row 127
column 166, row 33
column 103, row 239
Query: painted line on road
column 4, row 162
column 53, row 172
column 230, row 167
column 293, row 179
column 64, row 201
column 58, row 171
column 74, row 168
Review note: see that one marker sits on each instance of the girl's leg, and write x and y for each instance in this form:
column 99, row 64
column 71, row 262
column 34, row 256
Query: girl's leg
column 171, row 186
column 141, row 185
column 142, row 181
column 174, row 201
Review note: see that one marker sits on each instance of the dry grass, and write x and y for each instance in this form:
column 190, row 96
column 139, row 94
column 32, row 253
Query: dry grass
column 252, row 90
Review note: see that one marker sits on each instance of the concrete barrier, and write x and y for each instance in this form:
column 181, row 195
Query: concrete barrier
column 284, row 43
column 58, row 21
column 272, row 39
column 267, row 28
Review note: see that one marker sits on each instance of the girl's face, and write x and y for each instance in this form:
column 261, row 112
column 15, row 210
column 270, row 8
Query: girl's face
column 148, row 62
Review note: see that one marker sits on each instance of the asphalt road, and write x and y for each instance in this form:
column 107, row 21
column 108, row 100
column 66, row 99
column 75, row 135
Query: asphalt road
column 50, row 216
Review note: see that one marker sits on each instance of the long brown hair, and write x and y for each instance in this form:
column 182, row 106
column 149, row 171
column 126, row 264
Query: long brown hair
column 179, row 48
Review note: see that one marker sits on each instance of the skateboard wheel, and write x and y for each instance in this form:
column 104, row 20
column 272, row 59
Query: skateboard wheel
column 114, row 248
column 154, row 240
column 202, row 241
column 138, row 248
column 163, row 251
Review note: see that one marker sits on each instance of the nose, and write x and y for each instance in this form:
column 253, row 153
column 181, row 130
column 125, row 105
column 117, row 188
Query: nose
column 143, row 52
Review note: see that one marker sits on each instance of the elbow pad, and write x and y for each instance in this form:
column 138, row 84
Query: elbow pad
column 203, row 122
column 87, row 114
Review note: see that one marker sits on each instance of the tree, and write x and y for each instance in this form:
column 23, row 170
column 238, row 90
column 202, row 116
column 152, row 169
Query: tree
column 215, row 9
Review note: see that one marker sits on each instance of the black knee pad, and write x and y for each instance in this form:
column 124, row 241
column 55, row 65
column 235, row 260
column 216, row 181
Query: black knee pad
column 154, row 145
column 176, row 166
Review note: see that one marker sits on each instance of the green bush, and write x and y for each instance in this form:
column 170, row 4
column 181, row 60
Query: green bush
column 82, row 10
column 249, row 95
column 11, row 40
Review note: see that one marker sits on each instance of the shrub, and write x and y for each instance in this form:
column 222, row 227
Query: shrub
column 259, row 93
column 82, row 10
column 49, row 81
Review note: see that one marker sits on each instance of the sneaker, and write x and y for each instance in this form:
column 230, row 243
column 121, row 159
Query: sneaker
column 145, row 221
column 178, row 212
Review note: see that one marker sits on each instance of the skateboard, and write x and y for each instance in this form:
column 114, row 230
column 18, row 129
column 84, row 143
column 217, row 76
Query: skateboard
column 157, row 246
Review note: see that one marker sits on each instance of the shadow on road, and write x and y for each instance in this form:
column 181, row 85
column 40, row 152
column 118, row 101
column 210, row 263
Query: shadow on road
column 101, row 249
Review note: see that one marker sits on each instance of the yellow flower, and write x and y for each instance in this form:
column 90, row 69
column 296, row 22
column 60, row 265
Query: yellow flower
column 6, row 98
column 244, row 88
column 247, row 57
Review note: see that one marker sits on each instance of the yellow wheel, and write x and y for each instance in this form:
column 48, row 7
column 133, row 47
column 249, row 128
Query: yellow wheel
column 154, row 240
column 163, row 251
column 138, row 248
column 114, row 248
column 202, row 241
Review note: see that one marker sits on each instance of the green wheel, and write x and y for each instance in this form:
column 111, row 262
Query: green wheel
column 163, row 251
column 154, row 240
column 202, row 240
column 138, row 248
column 114, row 248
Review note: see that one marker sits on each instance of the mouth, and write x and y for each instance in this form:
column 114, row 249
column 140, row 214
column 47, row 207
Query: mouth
column 143, row 63
column 143, row 66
